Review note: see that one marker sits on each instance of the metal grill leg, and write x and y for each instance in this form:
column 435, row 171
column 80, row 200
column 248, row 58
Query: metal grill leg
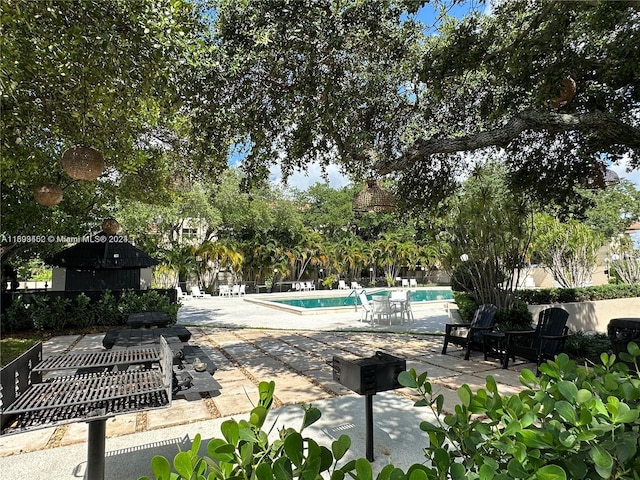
column 96, row 449
column 369, row 426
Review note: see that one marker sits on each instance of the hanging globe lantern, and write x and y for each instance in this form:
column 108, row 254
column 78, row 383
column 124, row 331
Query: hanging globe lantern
column 373, row 198
column 83, row 163
column 110, row 226
column 47, row 194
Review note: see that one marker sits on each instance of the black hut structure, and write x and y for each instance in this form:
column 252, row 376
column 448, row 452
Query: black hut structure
column 105, row 262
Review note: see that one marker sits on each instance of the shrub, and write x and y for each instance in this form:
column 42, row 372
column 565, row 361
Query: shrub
column 571, row 422
column 245, row 452
column 467, row 306
column 583, row 346
column 563, row 295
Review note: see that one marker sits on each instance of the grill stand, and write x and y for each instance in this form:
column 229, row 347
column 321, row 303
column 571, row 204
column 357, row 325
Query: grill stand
column 96, row 442
column 368, row 399
column 367, row 376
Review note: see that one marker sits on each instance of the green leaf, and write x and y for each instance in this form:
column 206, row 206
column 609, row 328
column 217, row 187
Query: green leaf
column 516, row 470
column 182, row 464
column 583, row 396
column 294, row 449
column 551, row 472
column 603, row 460
column 161, row 467
column 464, row 393
column 282, row 469
column 406, row 379
column 264, row 472
column 528, row 378
column 418, row 474
column 311, row 416
column 340, row 446
column 492, row 386
column 195, row 446
column 486, row 472
column 258, row 416
column 230, row 431
column 568, row 390
column 566, row 412
column 363, row 469
column 457, row 471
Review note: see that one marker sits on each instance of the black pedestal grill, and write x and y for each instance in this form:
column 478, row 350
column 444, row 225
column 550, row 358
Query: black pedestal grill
column 367, row 376
column 109, row 383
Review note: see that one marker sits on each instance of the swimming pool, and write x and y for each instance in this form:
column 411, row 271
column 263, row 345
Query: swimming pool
column 421, row 295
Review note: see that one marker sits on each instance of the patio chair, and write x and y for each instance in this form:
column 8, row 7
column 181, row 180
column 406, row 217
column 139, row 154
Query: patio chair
column 483, row 321
column 181, row 293
column 355, row 286
column 224, row 291
column 197, row 293
column 541, row 344
column 381, row 307
column 342, row 285
column 243, row 290
column 405, row 283
column 366, row 307
column 413, row 283
column 235, row 290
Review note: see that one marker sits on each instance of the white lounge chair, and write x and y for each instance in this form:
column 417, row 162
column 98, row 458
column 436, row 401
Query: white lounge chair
column 405, row 283
column 413, row 283
column 355, row 286
column 235, row 290
column 342, row 285
column 224, row 291
column 197, row 293
column 182, row 293
column 243, row 290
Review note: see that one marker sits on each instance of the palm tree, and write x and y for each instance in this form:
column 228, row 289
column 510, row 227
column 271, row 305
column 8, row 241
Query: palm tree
column 215, row 256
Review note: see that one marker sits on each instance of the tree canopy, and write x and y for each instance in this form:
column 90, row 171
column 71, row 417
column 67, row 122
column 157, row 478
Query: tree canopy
column 552, row 83
column 167, row 89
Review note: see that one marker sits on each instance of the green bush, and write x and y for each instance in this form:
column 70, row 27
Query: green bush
column 571, row 422
column 582, row 346
column 245, row 452
column 564, row 295
column 467, row 306
column 45, row 313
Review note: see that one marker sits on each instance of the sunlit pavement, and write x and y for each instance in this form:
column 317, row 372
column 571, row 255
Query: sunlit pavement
column 293, row 350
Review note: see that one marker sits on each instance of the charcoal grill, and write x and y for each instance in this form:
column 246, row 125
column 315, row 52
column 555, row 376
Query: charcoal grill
column 368, row 376
column 106, row 390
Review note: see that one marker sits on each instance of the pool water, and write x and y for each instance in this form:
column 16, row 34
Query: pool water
column 349, row 301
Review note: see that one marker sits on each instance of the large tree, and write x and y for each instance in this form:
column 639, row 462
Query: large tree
column 111, row 74
column 554, row 83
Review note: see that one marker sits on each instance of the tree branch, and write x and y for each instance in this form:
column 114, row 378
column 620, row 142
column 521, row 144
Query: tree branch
column 607, row 129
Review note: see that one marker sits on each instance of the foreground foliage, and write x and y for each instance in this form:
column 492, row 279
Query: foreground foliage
column 571, row 422
column 245, row 451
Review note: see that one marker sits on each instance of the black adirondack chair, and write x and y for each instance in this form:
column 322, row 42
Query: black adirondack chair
column 483, row 321
column 541, row 344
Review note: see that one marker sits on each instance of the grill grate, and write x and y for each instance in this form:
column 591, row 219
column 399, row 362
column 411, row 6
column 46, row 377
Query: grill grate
column 99, row 359
column 89, row 389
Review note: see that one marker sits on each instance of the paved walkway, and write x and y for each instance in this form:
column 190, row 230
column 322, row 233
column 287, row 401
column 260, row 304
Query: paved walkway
column 292, row 350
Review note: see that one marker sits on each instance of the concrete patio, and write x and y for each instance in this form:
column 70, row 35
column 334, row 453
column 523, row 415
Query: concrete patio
column 251, row 343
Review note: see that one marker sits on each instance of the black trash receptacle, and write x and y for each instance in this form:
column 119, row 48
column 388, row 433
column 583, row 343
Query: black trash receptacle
column 621, row 332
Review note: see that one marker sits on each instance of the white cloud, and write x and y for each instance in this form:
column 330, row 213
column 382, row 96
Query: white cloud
column 621, row 169
column 312, row 175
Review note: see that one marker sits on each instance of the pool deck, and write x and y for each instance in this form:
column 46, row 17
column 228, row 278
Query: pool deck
column 250, row 343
